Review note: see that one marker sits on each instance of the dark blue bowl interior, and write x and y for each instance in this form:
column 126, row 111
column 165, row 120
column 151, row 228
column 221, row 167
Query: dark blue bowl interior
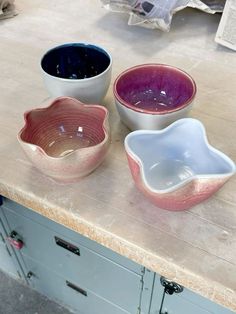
column 75, row 61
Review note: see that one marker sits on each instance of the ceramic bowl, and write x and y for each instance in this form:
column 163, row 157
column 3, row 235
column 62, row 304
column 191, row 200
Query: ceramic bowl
column 79, row 70
column 151, row 96
column 67, row 140
column 176, row 168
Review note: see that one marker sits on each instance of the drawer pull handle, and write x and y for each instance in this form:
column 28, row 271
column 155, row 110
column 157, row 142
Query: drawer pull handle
column 76, row 288
column 66, row 245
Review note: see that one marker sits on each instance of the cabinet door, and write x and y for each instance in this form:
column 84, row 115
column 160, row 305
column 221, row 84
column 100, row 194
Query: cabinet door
column 6, row 260
column 185, row 302
column 66, row 292
column 77, row 263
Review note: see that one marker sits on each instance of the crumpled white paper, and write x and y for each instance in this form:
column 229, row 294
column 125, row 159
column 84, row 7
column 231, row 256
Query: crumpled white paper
column 208, row 6
column 7, row 9
column 158, row 13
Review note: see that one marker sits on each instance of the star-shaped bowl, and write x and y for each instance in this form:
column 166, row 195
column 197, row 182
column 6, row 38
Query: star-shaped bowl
column 67, row 140
column 176, row 168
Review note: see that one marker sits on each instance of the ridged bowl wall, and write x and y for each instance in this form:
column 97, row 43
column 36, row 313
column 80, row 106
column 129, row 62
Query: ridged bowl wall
column 67, row 140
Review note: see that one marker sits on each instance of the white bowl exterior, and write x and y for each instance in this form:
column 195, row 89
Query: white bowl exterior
column 91, row 90
column 135, row 120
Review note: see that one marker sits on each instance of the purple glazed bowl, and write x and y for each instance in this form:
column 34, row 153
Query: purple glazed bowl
column 152, row 96
column 67, row 140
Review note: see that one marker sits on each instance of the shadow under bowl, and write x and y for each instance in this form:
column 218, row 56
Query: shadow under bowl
column 66, row 140
column 151, row 96
column 176, row 168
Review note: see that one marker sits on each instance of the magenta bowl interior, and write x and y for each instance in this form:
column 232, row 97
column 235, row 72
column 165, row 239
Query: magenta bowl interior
column 154, row 88
column 65, row 126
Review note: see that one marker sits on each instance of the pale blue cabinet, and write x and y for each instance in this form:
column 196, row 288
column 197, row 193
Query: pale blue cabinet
column 74, row 270
column 83, row 275
column 8, row 262
column 181, row 303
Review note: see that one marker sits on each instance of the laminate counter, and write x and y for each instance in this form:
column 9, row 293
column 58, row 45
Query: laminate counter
column 196, row 248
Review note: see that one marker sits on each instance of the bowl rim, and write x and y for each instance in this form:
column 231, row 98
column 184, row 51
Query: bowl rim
column 82, row 44
column 105, row 127
column 147, row 111
column 140, row 162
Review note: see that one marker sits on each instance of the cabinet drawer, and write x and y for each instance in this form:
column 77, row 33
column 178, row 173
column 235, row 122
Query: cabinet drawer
column 66, row 292
column 76, row 237
column 77, row 263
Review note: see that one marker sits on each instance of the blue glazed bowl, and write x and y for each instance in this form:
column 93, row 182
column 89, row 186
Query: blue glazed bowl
column 78, row 70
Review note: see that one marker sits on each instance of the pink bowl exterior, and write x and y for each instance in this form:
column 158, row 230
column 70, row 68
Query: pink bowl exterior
column 185, row 197
column 75, row 165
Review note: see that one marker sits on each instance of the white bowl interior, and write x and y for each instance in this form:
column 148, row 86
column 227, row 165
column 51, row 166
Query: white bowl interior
column 176, row 154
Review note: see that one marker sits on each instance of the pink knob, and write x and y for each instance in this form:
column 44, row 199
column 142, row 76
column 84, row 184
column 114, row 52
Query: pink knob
column 15, row 240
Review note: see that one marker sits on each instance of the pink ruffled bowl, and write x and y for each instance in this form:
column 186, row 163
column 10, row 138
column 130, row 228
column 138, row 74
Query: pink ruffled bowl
column 66, row 140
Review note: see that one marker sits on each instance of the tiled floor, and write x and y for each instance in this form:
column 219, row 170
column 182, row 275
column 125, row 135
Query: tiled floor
column 16, row 298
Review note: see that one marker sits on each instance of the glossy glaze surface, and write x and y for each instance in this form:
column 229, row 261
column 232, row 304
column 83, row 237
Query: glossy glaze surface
column 75, row 61
column 154, row 88
column 78, row 70
column 151, row 96
column 176, row 168
column 66, row 140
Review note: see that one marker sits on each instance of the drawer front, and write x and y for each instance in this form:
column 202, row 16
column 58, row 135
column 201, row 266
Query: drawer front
column 77, row 263
column 66, row 292
column 76, row 237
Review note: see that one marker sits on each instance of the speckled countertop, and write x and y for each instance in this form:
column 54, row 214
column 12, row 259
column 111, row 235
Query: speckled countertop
column 196, row 248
